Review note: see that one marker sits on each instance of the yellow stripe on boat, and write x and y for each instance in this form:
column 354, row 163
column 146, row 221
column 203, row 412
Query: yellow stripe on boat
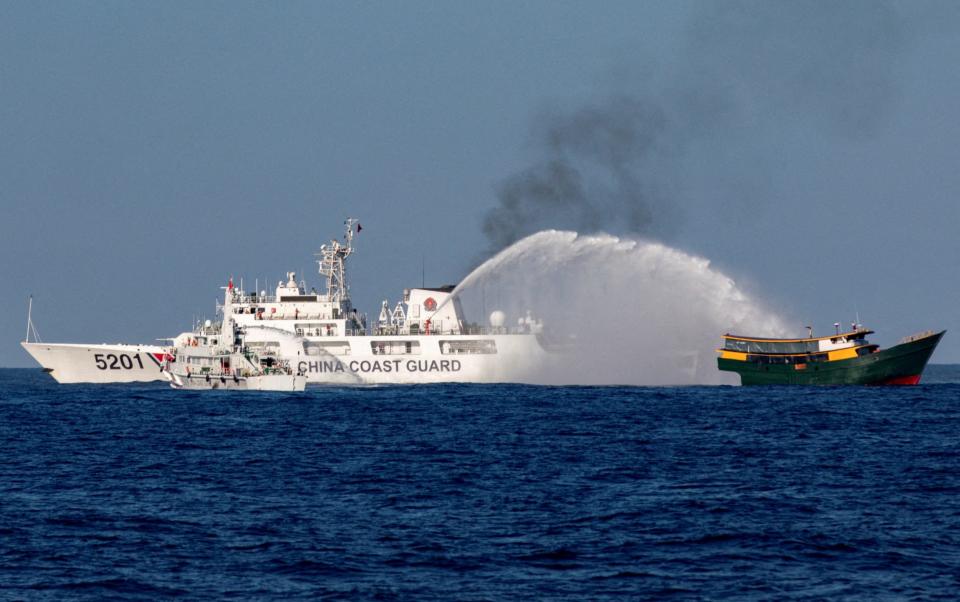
column 842, row 354
column 733, row 355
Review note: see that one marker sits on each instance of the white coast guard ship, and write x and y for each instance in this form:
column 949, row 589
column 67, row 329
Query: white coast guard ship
column 424, row 338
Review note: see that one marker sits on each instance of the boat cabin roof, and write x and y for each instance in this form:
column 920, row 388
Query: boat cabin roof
column 447, row 288
column 852, row 335
column 756, row 345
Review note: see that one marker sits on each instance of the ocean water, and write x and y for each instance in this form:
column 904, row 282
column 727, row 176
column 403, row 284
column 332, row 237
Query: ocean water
column 453, row 492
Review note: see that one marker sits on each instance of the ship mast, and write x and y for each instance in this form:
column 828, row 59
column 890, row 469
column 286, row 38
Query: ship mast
column 29, row 319
column 332, row 265
column 30, row 327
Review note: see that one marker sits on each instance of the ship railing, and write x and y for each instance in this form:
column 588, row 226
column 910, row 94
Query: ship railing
column 255, row 299
column 916, row 337
column 472, row 330
column 476, row 329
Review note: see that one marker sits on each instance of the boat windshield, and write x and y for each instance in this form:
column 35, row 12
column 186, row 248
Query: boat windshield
column 748, row 346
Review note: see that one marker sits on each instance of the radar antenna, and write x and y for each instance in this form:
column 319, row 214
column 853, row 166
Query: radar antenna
column 332, row 257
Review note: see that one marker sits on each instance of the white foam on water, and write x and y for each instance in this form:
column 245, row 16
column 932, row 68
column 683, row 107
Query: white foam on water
column 636, row 312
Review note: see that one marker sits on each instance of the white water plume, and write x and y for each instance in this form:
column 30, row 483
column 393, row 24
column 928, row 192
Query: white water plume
column 635, row 312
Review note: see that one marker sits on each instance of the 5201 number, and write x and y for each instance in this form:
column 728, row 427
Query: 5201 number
column 111, row 361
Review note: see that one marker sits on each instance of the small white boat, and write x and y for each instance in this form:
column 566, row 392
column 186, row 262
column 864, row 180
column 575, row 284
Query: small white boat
column 217, row 357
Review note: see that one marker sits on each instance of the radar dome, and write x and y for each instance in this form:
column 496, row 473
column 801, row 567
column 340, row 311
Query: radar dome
column 497, row 318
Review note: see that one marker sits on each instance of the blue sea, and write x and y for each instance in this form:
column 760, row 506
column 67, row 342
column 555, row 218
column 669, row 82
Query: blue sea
column 473, row 492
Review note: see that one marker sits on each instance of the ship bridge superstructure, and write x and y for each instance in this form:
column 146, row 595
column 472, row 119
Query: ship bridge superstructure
column 840, row 344
column 420, row 311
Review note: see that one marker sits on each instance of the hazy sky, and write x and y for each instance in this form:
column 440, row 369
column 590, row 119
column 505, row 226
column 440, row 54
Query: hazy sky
column 148, row 151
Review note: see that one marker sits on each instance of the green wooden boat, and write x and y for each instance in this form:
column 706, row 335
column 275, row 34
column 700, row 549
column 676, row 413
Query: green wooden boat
column 846, row 358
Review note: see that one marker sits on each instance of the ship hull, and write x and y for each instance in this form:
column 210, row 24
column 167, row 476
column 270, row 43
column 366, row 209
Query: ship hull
column 516, row 359
column 901, row 364
column 264, row 382
column 79, row 363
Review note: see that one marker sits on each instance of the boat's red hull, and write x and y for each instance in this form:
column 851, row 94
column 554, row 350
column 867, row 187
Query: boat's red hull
column 901, row 380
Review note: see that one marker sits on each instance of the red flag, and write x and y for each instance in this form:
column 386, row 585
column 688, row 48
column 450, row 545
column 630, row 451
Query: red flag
column 230, row 284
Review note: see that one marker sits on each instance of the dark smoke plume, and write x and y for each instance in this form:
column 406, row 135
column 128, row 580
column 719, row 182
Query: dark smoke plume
column 618, row 164
column 596, row 169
